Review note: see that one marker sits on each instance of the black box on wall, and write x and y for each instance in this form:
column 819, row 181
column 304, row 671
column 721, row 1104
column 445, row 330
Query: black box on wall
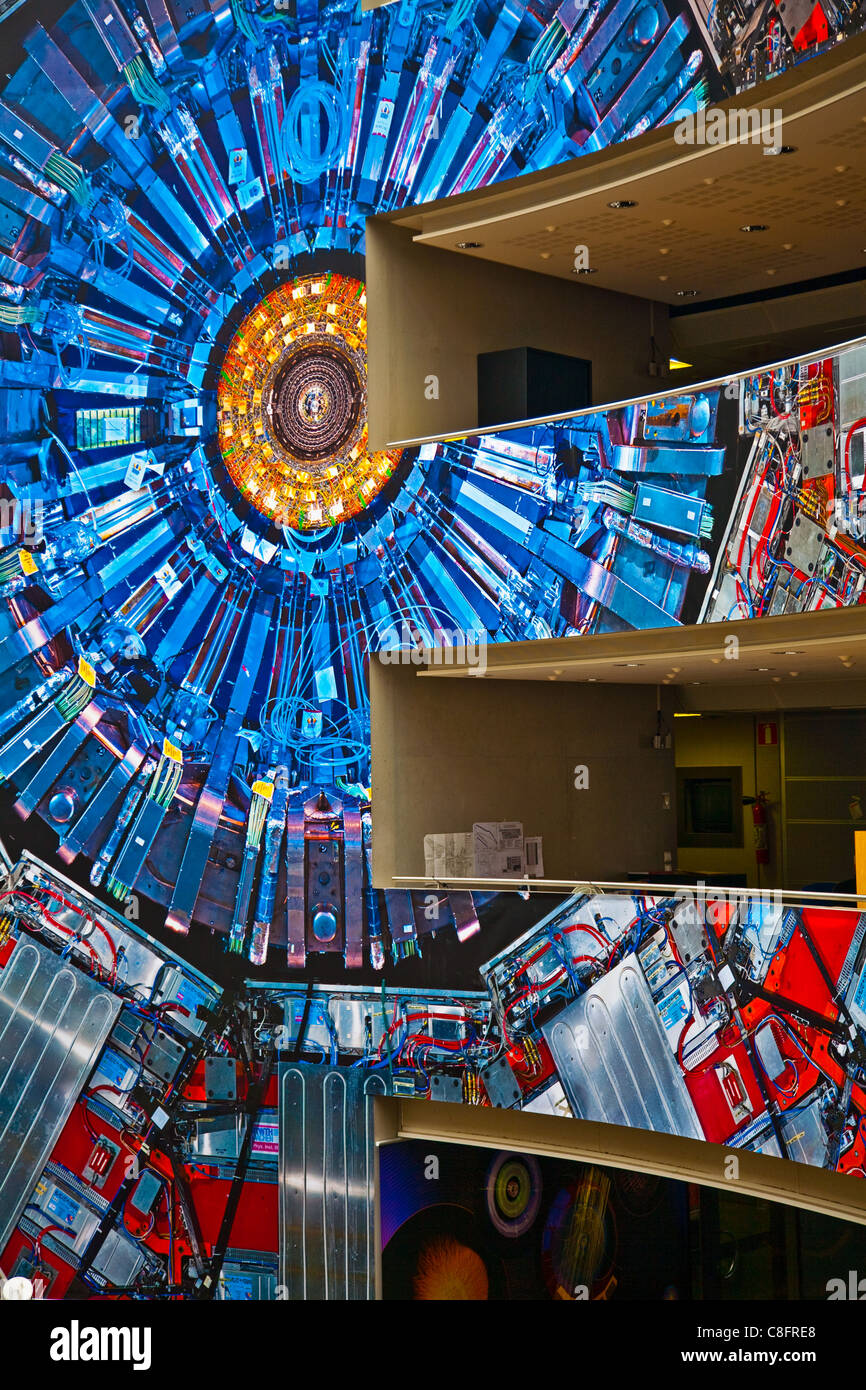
column 528, row 383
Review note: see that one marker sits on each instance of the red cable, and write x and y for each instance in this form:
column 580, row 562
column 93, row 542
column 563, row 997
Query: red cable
column 46, row 1230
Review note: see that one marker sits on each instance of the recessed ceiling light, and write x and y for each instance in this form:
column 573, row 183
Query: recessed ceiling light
column 551, row 228
column 469, row 245
column 545, row 255
column 664, row 277
column 841, row 202
column 787, row 245
column 586, row 270
column 709, row 182
column 841, row 168
column 771, row 272
column 754, row 227
column 687, row 294
column 664, row 250
column 593, row 680
column 622, row 203
column 790, row 651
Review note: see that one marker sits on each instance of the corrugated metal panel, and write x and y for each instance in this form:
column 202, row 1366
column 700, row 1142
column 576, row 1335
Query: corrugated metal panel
column 327, row 1182
column 53, row 1023
column 614, row 1060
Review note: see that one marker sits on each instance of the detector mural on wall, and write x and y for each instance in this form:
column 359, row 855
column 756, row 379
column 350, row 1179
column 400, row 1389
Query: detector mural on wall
column 200, row 557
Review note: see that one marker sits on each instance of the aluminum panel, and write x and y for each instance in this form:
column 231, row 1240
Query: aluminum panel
column 614, row 1060
column 805, row 543
column 53, row 1022
column 327, row 1182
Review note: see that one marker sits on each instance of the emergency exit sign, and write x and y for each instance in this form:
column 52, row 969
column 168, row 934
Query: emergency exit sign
column 768, row 733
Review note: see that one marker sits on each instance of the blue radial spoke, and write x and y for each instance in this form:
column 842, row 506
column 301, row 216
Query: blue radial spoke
column 217, row 534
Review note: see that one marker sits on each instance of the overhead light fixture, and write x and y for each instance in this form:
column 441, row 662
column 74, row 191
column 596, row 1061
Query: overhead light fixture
column 586, row 270
column 754, row 227
column 469, row 245
column 622, row 203
column 687, row 294
column 783, row 149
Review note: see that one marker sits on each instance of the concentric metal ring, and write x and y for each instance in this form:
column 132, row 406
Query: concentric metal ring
column 314, row 402
column 292, row 405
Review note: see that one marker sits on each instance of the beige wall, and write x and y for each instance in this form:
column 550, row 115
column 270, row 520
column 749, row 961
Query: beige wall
column 734, row 337
column 730, row 741
column 446, row 753
column 430, row 313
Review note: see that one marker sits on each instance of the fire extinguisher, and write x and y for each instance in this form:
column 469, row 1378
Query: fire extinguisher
column 759, row 828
